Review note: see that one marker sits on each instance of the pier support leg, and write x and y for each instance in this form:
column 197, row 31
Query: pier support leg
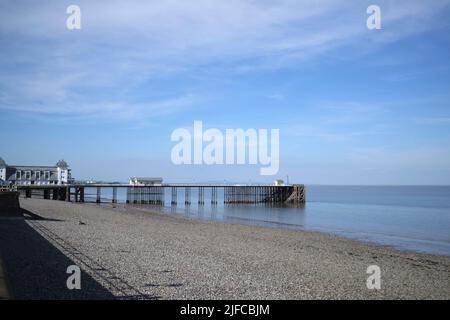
column 163, row 190
column 114, row 199
column 201, row 195
column 82, row 194
column 214, row 195
column 174, row 196
column 141, row 195
column 187, row 195
column 99, row 195
column 297, row 194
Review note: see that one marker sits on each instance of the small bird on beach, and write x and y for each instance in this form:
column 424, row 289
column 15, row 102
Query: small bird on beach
column 81, row 223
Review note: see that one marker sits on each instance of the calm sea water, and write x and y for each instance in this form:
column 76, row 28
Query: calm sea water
column 406, row 217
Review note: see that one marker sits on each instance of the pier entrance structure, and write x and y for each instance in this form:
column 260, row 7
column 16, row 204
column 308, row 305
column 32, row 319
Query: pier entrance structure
column 135, row 194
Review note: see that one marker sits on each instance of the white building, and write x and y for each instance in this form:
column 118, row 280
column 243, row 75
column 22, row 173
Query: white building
column 41, row 175
column 136, row 181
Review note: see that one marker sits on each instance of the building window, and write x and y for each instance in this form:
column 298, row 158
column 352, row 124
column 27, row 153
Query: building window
column 47, row 175
column 18, row 175
column 27, row 175
column 38, row 175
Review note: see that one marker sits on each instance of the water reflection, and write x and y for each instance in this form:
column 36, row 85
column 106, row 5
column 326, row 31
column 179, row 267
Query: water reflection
column 275, row 215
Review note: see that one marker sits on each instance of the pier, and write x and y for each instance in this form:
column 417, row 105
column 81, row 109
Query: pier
column 231, row 194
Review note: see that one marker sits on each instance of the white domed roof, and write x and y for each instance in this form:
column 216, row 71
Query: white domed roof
column 62, row 164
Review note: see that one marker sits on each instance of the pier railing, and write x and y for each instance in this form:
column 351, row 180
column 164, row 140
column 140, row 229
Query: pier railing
column 136, row 194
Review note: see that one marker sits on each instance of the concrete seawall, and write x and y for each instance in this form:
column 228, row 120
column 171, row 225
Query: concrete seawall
column 9, row 204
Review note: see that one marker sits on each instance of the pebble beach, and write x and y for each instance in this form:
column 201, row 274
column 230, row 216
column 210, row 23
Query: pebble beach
column 130, row 253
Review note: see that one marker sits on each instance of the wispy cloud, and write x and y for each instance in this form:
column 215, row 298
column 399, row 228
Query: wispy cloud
column 99, row 70
column 337, row 122
column 433, row 120
column 393, row 158
column 323, row 133
column 402, row 76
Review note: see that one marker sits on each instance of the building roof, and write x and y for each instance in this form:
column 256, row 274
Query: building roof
column 62, row 164
column 2, row 163
column 147, row 178
column 33, row 168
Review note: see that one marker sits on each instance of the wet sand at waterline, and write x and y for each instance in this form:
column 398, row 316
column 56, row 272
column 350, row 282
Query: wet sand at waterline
column 130, row 253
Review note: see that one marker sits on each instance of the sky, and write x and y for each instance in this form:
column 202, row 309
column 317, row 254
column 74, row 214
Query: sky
column 352, row 105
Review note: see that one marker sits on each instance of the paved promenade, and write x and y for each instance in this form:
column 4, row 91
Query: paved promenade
column 4, row 292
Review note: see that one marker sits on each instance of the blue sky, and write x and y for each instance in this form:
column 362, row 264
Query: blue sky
column 354, row 106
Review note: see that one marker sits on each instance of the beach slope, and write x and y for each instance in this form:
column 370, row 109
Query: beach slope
column 131, row 254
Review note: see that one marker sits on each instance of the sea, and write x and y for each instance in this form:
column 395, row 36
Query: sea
column 415, row 218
